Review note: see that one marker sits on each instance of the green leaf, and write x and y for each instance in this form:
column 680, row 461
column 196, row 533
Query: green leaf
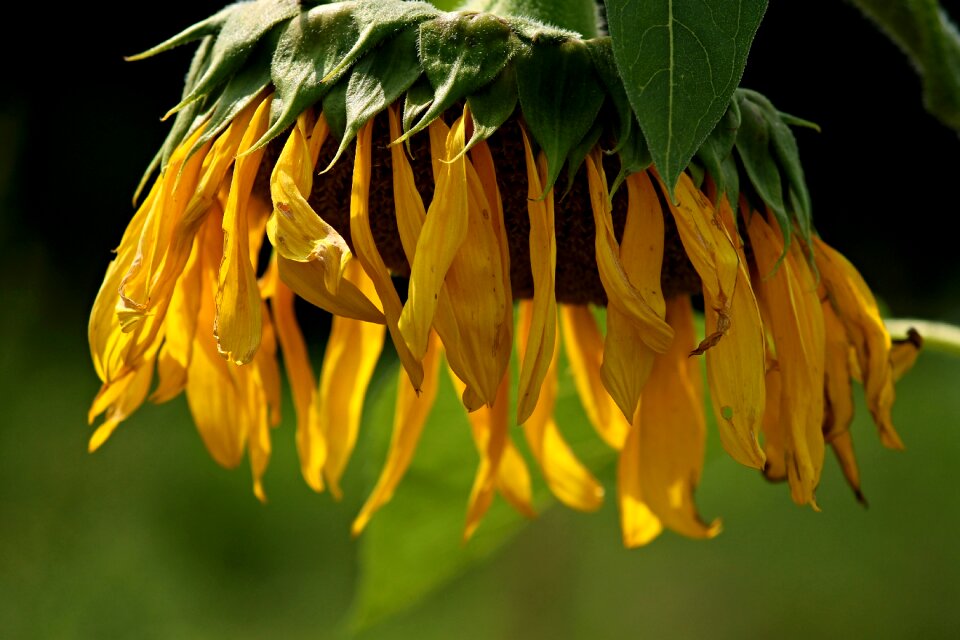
column 924, row 32
column 560, row 96
column 376, row 81
column 460, row 54
column 241, row 30
column 680, row 63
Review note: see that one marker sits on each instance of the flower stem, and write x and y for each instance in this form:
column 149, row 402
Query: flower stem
column 575, row 15
column 937, row 336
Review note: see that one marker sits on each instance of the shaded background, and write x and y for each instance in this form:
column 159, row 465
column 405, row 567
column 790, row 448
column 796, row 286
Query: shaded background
column 150, row 538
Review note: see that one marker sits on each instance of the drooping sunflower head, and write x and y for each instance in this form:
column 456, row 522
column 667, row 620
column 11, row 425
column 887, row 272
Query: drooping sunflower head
column 474, row 185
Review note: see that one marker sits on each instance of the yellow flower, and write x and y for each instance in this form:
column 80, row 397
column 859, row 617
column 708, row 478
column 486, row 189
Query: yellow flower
column 470, row 214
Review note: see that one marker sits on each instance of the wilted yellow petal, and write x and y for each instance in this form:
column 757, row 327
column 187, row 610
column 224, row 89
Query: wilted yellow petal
column 843, row 448
column 513, row 481
column 796, row 321
column 295, row 229
column 566, row 476
column 736, row 364
column 626, row 358
column 311, row 444
column 638, row 524
column 409, row 417
column 180, row 326
column 539, row 349
column 215, row 388
column 263, row 394
column 352, row 353
column 673, row 430
column 103, row 330
column 119, row 399
column 706, row 244
column 489, row 428
column 903, row 353
column 306, row 279
column 838, row 391
column 584, row 348
column 857, row 310
column 621, row 293
column 443, row 232
column 369, row 255
column 239, row 321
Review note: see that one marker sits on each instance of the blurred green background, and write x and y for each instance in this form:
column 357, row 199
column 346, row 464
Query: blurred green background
column 149, row 538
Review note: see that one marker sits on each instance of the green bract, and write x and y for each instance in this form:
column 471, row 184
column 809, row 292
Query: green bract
column 353, row 59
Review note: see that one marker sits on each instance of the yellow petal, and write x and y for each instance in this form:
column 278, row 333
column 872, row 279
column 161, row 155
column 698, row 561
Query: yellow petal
column 239, row 321
column 673, row 431
column 306, row 279
column 796, row 321
column 903, row 353
column 539, row 348
column 565, row 475
column 263, row 392
column 736, row 365
column 180, row 326
column 489, row 428
column 857, row 310
column 369, row 255
column 311, row 444
column 706, row 244
column 409, row 417
column 443, row 232
column 626, row 358
column 843, row 448
column 838, row 391
column 352, row 353
column 621, row 293
column 513, row 481
column 638, row 524
column 119, row 399
column 103, row 330
column 584, row 348
column 295, row 229
column 215, row 388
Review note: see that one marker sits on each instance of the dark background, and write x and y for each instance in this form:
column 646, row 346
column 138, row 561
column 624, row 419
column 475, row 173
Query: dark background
column 149, row 538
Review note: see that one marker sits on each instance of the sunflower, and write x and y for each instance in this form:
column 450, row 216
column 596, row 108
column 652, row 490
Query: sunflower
column 404, row 166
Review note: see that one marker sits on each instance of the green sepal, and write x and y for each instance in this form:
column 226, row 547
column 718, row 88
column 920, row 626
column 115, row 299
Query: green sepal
column 579, row 152
column 560, row 97
column 382, row 76
column 461, row 53
column 493, row 105
column 717, row 148
column 753, row 146
column 240, row 90
column 242, row 29
column 334, row 107
column 380, row 20
column 788, row 156
column 415, row 104
column 793, row 121
column 601, row 53
column 209, row 27
column 185, row 119
column 309, row 48
column 634, row 156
